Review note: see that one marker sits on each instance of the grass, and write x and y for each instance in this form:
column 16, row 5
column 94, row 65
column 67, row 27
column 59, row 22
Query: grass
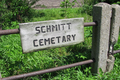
column 14, row 62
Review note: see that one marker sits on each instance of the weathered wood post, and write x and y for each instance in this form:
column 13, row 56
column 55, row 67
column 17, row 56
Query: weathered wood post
column 100, row 39
column 114, row 33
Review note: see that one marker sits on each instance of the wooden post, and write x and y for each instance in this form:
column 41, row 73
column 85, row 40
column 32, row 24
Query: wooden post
column 114, row 33
column 100, row 39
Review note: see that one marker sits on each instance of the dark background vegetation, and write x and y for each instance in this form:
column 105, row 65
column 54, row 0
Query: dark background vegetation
column 12, row 10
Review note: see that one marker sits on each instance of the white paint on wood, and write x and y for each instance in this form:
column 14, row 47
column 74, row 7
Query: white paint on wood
column 51, row 34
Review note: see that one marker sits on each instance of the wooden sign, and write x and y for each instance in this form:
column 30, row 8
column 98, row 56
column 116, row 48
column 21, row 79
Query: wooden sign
column 51, row 34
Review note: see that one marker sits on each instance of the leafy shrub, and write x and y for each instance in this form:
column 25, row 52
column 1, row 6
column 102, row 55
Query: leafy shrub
column 87, row 9
column 12, row 10
column 19, row 8
column 2, row 10
column 87, row 6
column 118, row 2
column 66, row 4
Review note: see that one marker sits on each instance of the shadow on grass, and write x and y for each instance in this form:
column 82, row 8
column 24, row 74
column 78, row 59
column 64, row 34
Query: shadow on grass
column 78, row 54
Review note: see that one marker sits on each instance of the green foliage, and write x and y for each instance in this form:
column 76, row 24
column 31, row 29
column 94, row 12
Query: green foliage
column 88, row 6
column 12, row 10
column 13, row 62
column 87, row 9
column 66, row 4
column 2, row 6
column 89, row 2
column 118, row 2
column 2, row 10
column 20, row 8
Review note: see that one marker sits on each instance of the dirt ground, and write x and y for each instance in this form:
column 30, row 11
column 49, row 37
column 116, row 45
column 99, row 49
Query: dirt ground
column 41, row 4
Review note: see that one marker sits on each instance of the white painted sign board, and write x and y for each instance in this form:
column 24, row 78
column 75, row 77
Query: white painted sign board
column 51, row 34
